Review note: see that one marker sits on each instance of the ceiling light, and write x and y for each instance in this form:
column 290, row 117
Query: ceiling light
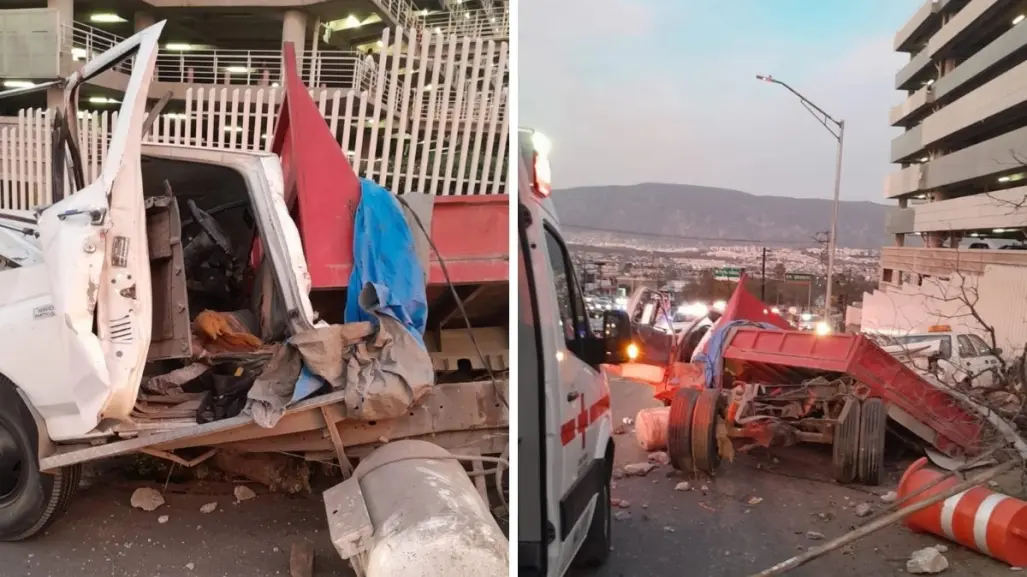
column 237, row 70
column 999, row 230
column 179, row 46
column 78, row 53
column 275, row 85
column 102, row 100
column 467, row 15
column 18, row 84
column 233, row 129
column 925, row 159
column 175, row 115
column 106, row 18
column 929, row 82
column 1005, row 178
column 1018, row 19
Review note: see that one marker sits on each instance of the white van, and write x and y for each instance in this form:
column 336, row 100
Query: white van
column 961, row 357
column 565, row 425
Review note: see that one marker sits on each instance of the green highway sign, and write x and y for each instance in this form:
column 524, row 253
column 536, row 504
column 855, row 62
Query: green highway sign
column 798, row 277
column 728, row 273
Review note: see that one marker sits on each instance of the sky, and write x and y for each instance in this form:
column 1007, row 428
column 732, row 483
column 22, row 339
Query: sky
column 632, row 91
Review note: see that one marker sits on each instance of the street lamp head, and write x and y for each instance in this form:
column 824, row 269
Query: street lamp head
column 765, row 78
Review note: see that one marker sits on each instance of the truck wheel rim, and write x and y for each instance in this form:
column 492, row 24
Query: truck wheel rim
column 11, row 461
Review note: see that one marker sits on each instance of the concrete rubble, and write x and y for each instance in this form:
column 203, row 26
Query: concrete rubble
column 147, row 499
column 926, row 561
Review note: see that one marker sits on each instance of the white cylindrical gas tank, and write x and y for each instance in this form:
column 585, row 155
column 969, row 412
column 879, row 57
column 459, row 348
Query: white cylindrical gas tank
column 429, row 519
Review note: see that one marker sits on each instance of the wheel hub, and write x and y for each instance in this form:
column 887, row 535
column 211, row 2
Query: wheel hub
column 11, row 461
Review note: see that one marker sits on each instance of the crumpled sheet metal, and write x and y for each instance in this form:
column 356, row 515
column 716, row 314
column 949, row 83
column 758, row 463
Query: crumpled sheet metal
column 383, row 372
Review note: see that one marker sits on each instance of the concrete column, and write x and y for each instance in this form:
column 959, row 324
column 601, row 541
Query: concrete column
column 143, row 20
column 65, row 10
column 900, row 240
column 294, row 29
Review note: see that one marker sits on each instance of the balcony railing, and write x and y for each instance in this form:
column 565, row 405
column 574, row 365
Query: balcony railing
column 326, row 68
column 480, row 23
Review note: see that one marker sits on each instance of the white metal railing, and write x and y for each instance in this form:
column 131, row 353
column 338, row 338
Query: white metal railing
column 450, row 139
column 326, row 68
column 477, row 23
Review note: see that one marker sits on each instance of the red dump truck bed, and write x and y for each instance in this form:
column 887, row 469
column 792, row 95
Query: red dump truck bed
column 469, row 231
column 769, row 355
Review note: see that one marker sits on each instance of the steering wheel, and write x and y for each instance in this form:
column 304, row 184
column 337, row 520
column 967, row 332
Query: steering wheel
column 211, row 227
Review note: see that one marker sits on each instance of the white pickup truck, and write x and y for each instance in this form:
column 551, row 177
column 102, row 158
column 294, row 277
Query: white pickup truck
column 98, row 287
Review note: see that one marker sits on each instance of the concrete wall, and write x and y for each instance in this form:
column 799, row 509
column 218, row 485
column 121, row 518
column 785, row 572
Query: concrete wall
column 916, row 23
column 1001, row 209
column 1000, row 297
column 28, row 44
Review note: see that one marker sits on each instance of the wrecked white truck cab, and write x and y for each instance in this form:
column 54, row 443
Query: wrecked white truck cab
column 100, row 292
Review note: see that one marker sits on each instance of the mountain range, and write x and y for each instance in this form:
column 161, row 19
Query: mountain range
column 708, row 215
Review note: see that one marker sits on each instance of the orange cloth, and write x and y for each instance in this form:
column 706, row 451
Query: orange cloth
column 221, row 332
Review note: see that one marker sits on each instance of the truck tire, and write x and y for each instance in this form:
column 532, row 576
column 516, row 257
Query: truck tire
column 679, row 430
column 595, row 549
column 29, row 499
column 873, row 422
column 845, row 456
column 705, row 452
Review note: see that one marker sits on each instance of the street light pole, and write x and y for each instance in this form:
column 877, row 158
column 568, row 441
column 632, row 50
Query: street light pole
column 837, row 130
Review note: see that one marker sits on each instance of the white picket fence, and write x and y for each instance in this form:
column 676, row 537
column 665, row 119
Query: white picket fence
column 434, row 122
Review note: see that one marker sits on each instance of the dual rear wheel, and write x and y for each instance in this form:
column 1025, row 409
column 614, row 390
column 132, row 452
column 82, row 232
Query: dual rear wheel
column 692, row 430
column 859, row 442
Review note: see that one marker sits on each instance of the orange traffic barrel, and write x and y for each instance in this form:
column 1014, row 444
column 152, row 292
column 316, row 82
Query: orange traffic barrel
column 983, row 520
column 651, row 428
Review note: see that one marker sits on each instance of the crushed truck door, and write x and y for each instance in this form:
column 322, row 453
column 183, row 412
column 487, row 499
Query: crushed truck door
column 95, row 252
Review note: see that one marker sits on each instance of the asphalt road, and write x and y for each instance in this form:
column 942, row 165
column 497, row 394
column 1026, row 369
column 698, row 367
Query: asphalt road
column 102, row 535
column 718, row 533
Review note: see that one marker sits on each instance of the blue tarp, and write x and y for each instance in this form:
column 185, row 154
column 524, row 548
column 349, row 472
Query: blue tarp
column 384, row 256
column 710, row 358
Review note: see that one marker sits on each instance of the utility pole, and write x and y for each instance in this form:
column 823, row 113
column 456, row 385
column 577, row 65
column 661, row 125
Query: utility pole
column 763, row 277
column 837, row 129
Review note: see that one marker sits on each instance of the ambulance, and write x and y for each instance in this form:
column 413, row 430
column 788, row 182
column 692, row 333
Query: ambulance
column 565, row 425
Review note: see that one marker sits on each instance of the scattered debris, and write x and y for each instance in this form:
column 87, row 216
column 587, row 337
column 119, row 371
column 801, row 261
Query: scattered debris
column 704, row 489
column 638, row 469
column 618, row 473
column 668, row 528
column 683, row 486
column 814, row 536
column 278, row 472
column 926, row 560
column 628, row 421
column 147, row 499
column 890, row 497
column 620, row 430
column 707, row 507
column 659, row 457
column 849, row 550
column 209, row 507
column 993, row 483
column 622, row 515
column 864, row 510
column 755, row 500
column 620, row 503
column 190, row 566
column 1016, row 568
column 163, row 519
column 243, row 493
column 301, row 560
column 942, row 548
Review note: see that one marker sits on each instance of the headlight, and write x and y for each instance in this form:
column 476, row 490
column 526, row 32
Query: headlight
column 632, row 351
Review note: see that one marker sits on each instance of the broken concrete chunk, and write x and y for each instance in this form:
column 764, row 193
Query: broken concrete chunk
column 638, row 469
column 243, row 493
column 190, row 566
column 926, row 561
column 755, row 500
column 668, row 529
column 209, row 507
column 659, row 457
column 863, row 510
column 163, row 519
column 814, row 536
column 618, row 473
column 622, row 515
column 942, row 548
column 147, row 499
column 890, row 497
column 683, row 486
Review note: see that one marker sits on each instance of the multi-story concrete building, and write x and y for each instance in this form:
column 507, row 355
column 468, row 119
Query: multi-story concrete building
column 960, row 185
column 235, row 42
column 415, row 91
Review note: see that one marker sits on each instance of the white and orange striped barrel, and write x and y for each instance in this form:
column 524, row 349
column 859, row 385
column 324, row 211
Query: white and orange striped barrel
column 983, row 520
